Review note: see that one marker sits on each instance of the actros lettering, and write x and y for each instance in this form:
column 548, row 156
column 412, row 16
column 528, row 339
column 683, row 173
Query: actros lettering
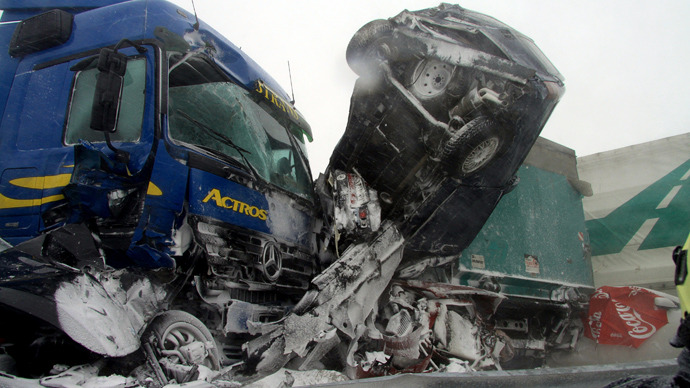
column 235, row 205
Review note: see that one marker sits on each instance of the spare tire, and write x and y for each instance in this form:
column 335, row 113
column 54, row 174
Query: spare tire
column 474, row 146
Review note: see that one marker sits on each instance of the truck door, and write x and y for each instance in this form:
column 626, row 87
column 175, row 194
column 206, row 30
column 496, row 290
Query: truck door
column 48, row 112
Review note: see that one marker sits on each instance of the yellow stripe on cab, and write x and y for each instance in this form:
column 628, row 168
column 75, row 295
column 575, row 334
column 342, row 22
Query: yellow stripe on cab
column 42, row 182
column 11, row 203
column 153, row 189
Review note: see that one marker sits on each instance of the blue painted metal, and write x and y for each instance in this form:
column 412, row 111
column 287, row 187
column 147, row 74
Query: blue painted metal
column 14, row 10
column 31, row 4
column 222, row 199
column 35, row 94
column 138, row 20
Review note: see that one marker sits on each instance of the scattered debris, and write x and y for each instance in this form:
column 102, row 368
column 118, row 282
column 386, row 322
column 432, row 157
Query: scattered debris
column 242, row 269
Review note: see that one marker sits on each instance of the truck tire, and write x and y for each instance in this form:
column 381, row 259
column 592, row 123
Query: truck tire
column 177, row 333
column 362, row 46
column 474, row 146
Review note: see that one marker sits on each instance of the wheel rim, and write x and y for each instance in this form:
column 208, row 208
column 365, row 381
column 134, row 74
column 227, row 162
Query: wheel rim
column 480, row 155
column 430, row 79
column 184, row 344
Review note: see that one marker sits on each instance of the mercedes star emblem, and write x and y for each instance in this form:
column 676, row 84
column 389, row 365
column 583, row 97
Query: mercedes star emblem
column 271, row 261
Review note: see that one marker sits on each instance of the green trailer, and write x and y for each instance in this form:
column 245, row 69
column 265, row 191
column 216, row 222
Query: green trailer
column 534, row 249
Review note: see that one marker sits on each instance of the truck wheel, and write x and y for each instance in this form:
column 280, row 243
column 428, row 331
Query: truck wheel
column 362, row 46
column 474, row 146
column 184, row 340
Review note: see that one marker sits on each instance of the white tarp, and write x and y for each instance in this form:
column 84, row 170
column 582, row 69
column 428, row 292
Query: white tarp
column 639, row 212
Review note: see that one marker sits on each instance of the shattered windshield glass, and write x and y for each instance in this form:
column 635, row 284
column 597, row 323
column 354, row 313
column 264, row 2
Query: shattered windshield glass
column 445, row 240
column 225, row 120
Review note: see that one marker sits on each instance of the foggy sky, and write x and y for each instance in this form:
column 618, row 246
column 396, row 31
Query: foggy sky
column 624, row 62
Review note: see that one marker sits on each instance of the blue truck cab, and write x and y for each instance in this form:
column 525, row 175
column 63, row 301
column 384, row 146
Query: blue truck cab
column 166, row 141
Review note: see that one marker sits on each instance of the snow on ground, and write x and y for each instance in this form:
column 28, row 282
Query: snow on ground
column 298, row 378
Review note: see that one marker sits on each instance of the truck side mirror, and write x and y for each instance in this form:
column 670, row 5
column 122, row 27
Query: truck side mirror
column 106, row 102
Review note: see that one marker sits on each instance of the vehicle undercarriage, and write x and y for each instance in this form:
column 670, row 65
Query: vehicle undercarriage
column 447, row 106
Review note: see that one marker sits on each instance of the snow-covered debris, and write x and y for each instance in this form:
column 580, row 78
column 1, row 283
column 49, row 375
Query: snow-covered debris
column 357, row 208
column 105, row 315
column 446, row 107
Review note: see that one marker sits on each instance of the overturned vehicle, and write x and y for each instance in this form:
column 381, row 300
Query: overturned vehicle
column 447, row 105
column 170, row 230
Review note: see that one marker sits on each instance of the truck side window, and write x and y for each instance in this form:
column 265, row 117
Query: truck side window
column 131, row 108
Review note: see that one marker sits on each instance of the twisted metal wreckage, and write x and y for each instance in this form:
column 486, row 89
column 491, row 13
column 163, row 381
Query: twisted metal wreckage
column 447, row 105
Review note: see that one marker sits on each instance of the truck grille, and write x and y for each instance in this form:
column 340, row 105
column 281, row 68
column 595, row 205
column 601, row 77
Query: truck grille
column 235, row 255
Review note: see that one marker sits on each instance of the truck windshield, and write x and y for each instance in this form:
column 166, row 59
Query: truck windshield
column 228, row 122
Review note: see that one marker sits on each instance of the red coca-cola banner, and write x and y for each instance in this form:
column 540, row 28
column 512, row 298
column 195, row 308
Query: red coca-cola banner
column 623, row 316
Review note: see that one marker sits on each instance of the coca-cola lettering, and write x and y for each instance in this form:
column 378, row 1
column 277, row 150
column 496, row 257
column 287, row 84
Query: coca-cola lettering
column 639, row 328
column 595, row 324
column 600, row 294
column 634, row 291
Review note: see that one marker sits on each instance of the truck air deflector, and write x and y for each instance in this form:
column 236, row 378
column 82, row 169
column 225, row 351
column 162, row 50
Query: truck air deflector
column 41, row 32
